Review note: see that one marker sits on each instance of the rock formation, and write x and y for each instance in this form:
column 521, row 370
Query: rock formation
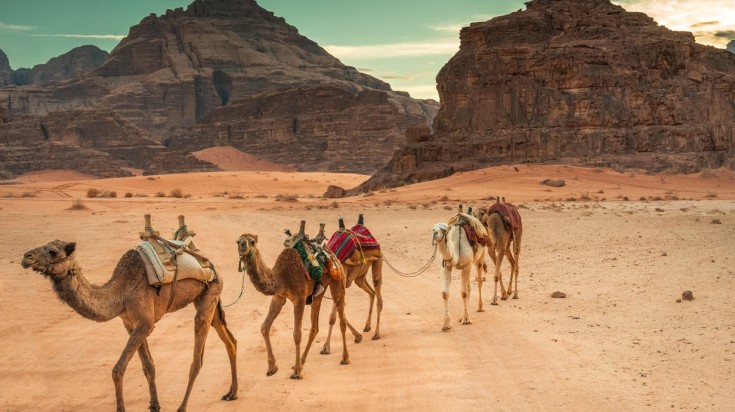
column 196, row 78
column 68, row 66
column 6, row 73
column 576, row 81
column 731, row 46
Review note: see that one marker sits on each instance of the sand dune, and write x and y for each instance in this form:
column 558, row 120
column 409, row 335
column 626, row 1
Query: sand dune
column 619, row 341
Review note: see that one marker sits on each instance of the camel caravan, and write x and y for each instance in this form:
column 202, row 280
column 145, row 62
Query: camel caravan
column 164, row 275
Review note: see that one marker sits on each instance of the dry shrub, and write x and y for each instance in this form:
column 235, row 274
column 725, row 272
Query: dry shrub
column 28, row 194
column 177, row 193
column 287, row 198
column 412, row 207
column 141, row 195
column 710, row 195
column 128, row 194
column 237, row 197
column 447, row 207
column 444, row 198
column 334, row 205
column 92, row 192
column 160, row 194
column 261, row 196
column 78, row 205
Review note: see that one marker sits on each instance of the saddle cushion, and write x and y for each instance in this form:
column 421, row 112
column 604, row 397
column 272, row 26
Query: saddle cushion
column 163, row 269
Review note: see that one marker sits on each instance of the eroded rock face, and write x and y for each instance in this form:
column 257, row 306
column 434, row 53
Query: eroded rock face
column 70, row 65
column 209, row 67
column 6, row 73
column 577, row 81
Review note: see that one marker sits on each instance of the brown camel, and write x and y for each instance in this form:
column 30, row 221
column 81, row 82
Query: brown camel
column 128, row 295
column 373, row 263
column 287, row 280
column 503, row 240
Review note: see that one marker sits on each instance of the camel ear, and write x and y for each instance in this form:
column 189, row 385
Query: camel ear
column 69, row 248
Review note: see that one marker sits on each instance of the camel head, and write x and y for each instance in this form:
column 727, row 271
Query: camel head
column 440, row 233
column 52, row 260
column 246, row 246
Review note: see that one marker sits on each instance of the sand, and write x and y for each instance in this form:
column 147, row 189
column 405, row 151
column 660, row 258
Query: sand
column 622, row 246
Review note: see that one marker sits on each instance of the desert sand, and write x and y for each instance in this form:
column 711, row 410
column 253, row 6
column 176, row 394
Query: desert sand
column 622, row 246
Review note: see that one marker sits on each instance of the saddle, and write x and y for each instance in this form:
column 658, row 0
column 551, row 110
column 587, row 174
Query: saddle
column 509, row 213
column 166, row 260
column 317, row 259
column 476, row 231
column 354, row 246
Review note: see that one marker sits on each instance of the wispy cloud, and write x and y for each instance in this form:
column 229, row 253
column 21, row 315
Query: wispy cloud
column 397, row 77
column 84, row 36
column 5, row 26
column 378, row 51
column 706, row 20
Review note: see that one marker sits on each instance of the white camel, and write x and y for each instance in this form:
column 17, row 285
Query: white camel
column 456, row 252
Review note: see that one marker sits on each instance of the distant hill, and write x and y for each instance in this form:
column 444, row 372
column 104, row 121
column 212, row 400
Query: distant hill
column 219, row 73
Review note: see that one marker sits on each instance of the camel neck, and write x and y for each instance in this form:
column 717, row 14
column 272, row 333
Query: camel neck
column 98, row 303
column 260, row 274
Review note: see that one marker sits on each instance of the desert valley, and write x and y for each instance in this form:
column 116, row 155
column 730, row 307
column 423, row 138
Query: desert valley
column 623, row 247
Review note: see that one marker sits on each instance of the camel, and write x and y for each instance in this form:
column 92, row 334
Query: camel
column 129, row 296
column 287, row 280
column 358, row 273
column 454, row 247
column 500, row 239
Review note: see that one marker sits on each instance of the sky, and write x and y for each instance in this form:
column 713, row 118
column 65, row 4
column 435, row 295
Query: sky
column 402, row 42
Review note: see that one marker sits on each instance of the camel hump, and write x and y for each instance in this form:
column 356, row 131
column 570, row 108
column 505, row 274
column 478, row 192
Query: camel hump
column 508, row 212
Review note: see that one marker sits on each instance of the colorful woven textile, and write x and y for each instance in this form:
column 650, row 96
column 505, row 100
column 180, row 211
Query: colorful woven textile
column 343, row 243
column 314, row 259
column 509, row 213
column 472, row 235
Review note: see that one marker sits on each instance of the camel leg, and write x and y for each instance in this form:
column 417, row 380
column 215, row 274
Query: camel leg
column 338, row 294
column 517, row 249
column 360, row 281
column 447, row 273
column 498, row 277
column 512, row 262
column 327, row 349
column 277, row 303
column 149, row 369
column 298, row 317
column 219, row 325
column 480, row 266
column 466, row 272
column 206, row 306
column 316, row 305
column 377, row 271
column 138, row 335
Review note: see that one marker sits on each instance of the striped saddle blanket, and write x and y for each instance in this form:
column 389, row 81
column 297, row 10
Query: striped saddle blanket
column 343, row 244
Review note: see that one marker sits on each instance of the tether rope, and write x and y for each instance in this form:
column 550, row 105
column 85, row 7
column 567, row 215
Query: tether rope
column 415, row 273
column 242, row 287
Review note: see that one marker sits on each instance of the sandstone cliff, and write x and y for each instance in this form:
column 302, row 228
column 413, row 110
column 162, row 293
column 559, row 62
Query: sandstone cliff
column 6, row 73
column 174, row 74
column 576, row 81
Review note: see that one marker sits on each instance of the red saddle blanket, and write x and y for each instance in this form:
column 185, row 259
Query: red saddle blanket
column 472, row 235
column 509, row 213
column 342, row 244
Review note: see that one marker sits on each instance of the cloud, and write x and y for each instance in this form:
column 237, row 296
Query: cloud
column 84, row 36
column 378, row 51
column 729, row 34
column 397, row 77
column 704, row 19
column 5, row 26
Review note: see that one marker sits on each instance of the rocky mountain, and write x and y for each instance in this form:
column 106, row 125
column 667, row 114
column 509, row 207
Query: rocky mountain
column 575, row 81
column 6, row 73
column 196, row 78
column 731, row 46
column 69, row 65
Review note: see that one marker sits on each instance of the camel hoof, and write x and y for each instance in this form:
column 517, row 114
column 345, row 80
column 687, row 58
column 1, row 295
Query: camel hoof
column 376, row 337
column 504, row 298
column 358, row 338
column 480, row 309
column 515, row 296
column 467, row 322
column 229, row 397
column 325, row 351
column 298, row 377
column 367, row 328
column 495, row 302
column 345, row 362
column 271, row 372
column 154, row 406
column 447, row 328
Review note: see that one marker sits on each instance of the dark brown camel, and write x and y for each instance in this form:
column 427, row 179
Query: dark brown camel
column 287, row 281
column 128, row 295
